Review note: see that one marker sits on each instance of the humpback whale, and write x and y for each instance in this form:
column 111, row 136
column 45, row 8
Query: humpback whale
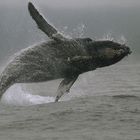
column 60, row 57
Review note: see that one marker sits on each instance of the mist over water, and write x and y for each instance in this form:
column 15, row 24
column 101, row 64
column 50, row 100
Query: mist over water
column 102, row 104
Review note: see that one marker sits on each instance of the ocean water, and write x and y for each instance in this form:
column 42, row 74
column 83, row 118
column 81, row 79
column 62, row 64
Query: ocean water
column 102, row 105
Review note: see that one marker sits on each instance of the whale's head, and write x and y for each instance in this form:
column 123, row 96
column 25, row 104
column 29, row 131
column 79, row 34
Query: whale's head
column 107, row 52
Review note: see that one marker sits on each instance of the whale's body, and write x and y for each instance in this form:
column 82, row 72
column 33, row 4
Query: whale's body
column 59, row 58
column 43, row 62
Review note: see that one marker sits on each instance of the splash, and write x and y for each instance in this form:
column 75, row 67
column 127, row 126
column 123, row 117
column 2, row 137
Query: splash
column 16, row 95
column 64, row 32
column 107, row 36
column 77, row 32
column 121, row 39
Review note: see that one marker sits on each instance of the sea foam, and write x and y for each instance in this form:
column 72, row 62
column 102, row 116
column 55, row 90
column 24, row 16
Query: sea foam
column 17, row 95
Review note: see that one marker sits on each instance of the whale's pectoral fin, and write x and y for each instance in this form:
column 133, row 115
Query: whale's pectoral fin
column 79, row 59
column 43, row 24
column 65, row 86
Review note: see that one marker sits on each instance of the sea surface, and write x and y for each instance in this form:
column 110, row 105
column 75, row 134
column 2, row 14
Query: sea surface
column 102, row 105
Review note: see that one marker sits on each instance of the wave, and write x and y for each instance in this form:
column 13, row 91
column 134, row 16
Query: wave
column 126, row 96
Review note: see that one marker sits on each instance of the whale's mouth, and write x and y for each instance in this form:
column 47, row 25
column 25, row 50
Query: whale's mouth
column 124, row 51
column 127, row 50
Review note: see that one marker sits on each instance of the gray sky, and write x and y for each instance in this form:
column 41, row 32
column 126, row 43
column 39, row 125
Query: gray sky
column 74, row 3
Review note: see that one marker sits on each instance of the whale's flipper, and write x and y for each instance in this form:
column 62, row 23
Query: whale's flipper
column 43, row 24
column 65, row 86
column 80, row 60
